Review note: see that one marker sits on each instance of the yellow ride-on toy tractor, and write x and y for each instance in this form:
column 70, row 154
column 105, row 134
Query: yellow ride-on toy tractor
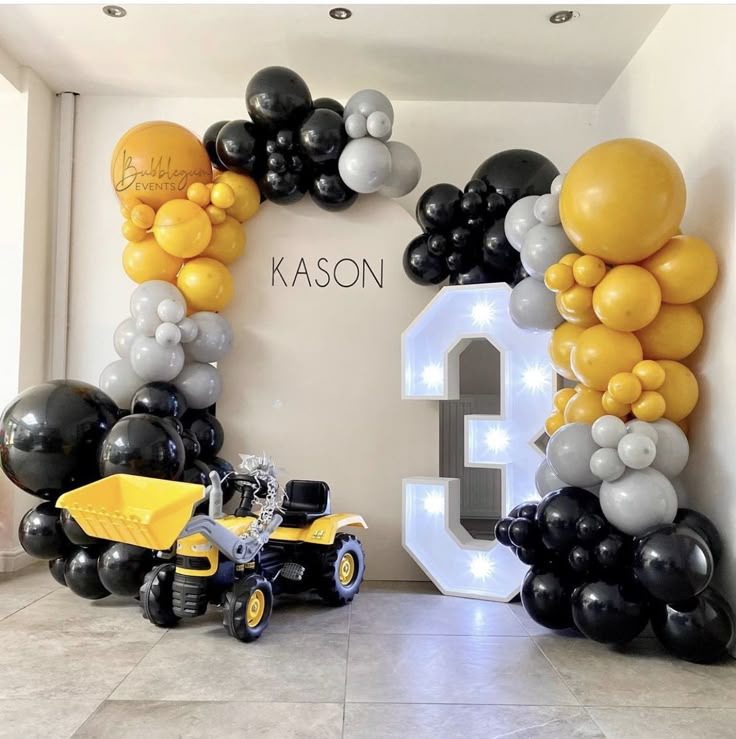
column 277, row 541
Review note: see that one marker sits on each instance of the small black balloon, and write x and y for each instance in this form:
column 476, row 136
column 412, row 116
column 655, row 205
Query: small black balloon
column 209, row 433
column 210, row 143
column 192, row 448
column 56, row 568
column 471, row 203
column 476, row 275
column 437, row 245
column 705, row 527
column 591, row 528
column 462, row 261
column 612, row 552
column 438, row 208
column 40, row 533
column 197, row 473
column 81, row 575
column 501, row 531
column 159, row 399
column 122, row 567
column 329, row 192
column 277, row 97
column 74, row 532
column 701, row 629
column 514, row 512
column 581, row 560
column 422, row 267
column 175, row 423
column 223, row 467
column 527, row 510
column 516, row 173
column 330, row 104
column 558, row 514
column 283, row 188
column 496, row 206
column 523, row 533
column 461, row 238
column 238, row 147
column 477, row 186
column 545, row 595
column 497, row 251
column 322, row 136
column 529, row 555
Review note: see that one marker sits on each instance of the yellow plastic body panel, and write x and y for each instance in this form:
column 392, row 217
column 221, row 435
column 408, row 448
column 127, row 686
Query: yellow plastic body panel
column 197, row 546
column 321, row 531
column 134, row 510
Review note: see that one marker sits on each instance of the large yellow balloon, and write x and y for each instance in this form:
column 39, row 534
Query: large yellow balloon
column 206, row 284
column 182, row 228
column 601, row 352
column 622, row 200
column 156, row 162
column 561, row 344
column 627, row 298
column 584, row 407
column 675, row 333
column 685, row 268
column 247, row 195
column 146, row 260
column 679, row 390
column 227, row 242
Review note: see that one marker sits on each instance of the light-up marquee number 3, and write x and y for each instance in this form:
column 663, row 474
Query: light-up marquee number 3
column 431, row 348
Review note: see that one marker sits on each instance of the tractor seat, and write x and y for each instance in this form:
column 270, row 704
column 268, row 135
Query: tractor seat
column 306, row 500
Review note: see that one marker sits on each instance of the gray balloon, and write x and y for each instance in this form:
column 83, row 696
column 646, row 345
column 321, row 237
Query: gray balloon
column 406, row 169
column 379, row 126
column 168, row 334
column 546, row 480
column 120, row 382
column 606, row 464
column 673, row 448
column 366, row 102
column 365, row 164
column 356, row 126
column 123, row 337
column 569, row 452
column 201, row 384
column 544, row 246
column 214, row 338
column 532, row 306
column 153, row 362
column 188, row 330
column 519, row 220
column 547, row 209
column 145, row 300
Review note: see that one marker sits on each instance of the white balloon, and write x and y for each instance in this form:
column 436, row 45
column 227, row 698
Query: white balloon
column 547, row 209
column 153, row 362
column 642, row 427
column 546, row 480
column 607, row 465
column 569, row 451
column 123, row 337
column 168, row 334
column 356, row 126
column 379, row 125
column 365, row 164
column 367, row 102
column 146, row 325
column 201, row 384
column 556, row 188
column 145, row 300
column 673, row 448
column 519, row 220
column 544, row 246
column 406, row 169
column 120, row 382
column 639, row 500
column 608, row 431
column 214, row 338
column 170, row 311
column 188, row 330
column 637, row 451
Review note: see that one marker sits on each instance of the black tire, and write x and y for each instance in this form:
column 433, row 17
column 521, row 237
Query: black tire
column 341, row 570
column 156, row 596
column 248, row 608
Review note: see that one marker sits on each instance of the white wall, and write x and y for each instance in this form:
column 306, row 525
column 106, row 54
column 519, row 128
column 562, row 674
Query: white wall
column 678, row 92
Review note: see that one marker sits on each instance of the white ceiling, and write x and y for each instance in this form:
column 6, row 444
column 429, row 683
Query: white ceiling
column 411, row 52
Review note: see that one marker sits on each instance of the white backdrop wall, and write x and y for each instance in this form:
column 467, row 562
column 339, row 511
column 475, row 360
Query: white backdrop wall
column 685, row 103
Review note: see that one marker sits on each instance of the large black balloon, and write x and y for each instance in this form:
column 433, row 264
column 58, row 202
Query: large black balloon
column 122, row 567
column 516, row 173
column 438, row 209
column 74, row 532
column 558, row 514
column 81, row 575
column 50, row 434
column 322, row 136
column 701, row 629
column 209, row 433
column 197, row 473
column 159, row 399
column 277, row 97
column 239, row 148
column 609, row 612
column 223, row 467
column 330, row 192
column 210, row 144
column 330, row 104
column 545, row 595
column 421, row 266
column 705, row 527
column 142, row 444
column 56, row 568
column 673, row 563
column 40, row 532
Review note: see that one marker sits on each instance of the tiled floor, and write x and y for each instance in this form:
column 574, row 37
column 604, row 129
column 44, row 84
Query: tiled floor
column 403, row 661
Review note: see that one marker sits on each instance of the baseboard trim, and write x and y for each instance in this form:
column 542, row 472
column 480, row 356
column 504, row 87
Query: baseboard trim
column 14, row 560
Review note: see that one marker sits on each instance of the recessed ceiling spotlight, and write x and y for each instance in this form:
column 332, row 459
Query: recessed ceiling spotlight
column 563, row 16
column 340, row 14
column 114, row 11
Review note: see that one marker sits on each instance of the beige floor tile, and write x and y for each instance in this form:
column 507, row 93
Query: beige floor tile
column 35, row 577
column 639, row 674
column 10, row 603
column 191, row 719
column 665, row 723
column 43, row 719
column 396, row 586
column 210, row 665
column 451, row 669
column 423, row 613
column 422, row 721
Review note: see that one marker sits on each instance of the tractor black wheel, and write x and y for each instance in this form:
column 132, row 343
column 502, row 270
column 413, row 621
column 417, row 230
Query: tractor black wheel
column 156, row 596
column 248, row 608
column 341, row 570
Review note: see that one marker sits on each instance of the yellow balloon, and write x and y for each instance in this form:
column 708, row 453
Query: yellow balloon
column 131, row 232
column 685, row 268
column 562, row 397
column 589, row 270
column 199, row 193
column 649, row 373
column 675, row 333
column 577, row 299
column 223, row 196
column 182, row 228
column 627, row 298
column 570, row 259
column 624, row 387
column 559, row 277
column 585, row 407
column 649, row 407
column 679, row 390
column 613, row 407
column 247, row 195
column 227, row 242
column 215, row 214
column 146, row 260
column 622, row 200
column 206, row 284
column 560, row 345
column 553, row 422
column 142, row 216
column 584, row 319
column 601, row 352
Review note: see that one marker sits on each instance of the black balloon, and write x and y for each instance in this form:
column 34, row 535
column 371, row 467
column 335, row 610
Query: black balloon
column 609, row 612
column 530, row 555
column 497, row 251
column 613, row 552
column 208, row 432
column 56, row 568
column 74, row 532
column 81, row 575
column 558, row 514
column 50, row 434
column 142, row 444
column 581, row 560
column 523, row 533
column 438, row 209
column 322, row 136
column 122, row 567
column 239, row 148
column 516, row 173
column 463, row 264
column 277, row 97
column 421, row 266
column 192, row 448
column 210, row 144
column 501, row 531
column 197, row 473
column 175, row 423
column 330, row 193
column 545, row 596
column 517, row 275
column 476, row 275
column 528, row 510
column 223, row 467
column 284, row 188
column 705, row 527
column 438, row 245
column 330, row 104
column 159, row 399
column 673, row 563
column 40, row 533
column 591, row 528
column 698, row 630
